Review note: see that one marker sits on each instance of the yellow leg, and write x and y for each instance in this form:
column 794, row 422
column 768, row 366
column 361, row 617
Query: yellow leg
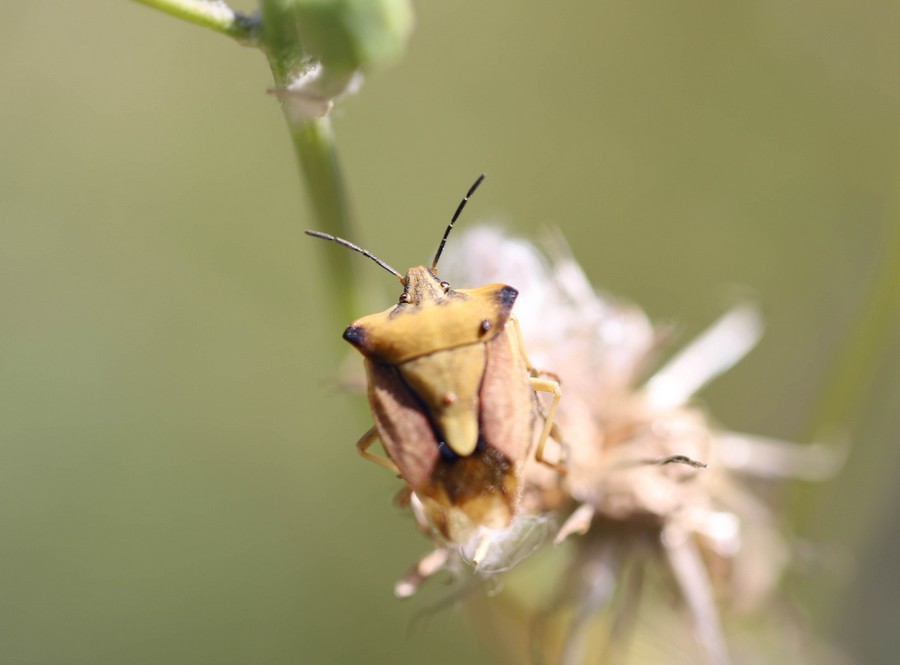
column 363, row 445
column 546, row 382
column 520, row 343
column 540, row 384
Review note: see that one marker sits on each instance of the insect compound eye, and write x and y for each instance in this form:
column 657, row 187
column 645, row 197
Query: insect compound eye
column 485, row 326
column 445, row 286
column 404, row 297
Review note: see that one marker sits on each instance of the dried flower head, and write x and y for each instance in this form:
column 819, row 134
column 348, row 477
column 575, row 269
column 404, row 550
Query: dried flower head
column 633, row 490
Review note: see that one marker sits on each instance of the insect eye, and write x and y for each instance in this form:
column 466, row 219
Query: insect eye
column 404, row 297
column 445, row 286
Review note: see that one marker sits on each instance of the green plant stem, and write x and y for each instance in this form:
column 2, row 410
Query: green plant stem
column 276, row 33
column 849, row 388
column 866, row 345
column 316, row 153
column 214, row 15
column 853, row 500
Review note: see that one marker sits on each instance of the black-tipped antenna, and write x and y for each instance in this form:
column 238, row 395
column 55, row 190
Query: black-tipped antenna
column 355, row 248
column 462, row 204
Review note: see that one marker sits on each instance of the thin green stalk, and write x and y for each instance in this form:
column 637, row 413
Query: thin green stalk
column 314, row 146
column 216, row 16
column 866, row 345
column 277, row 32
column 316, row 152
column 848, row 507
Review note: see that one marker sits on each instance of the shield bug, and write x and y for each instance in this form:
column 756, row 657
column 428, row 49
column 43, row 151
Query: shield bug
column 453, row 397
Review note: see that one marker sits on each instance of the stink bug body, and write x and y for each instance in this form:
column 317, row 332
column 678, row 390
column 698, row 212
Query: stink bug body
column 453, row 396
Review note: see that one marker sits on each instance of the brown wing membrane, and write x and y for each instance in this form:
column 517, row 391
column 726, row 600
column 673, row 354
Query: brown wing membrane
column 403, row 426
column 505, row 399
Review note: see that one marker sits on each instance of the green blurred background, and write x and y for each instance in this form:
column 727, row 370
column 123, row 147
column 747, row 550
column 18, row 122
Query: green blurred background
column 178, row 482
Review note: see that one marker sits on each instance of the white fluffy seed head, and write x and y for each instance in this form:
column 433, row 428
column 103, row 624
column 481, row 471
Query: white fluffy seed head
column 612, row 421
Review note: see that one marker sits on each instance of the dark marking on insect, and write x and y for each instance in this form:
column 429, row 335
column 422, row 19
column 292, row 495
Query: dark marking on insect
column 356, row 335
column 507, row 296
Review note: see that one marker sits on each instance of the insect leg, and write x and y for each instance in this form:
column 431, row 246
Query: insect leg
column 548, row 386
column 541, row 382
column 517, row 335
column 363, row 445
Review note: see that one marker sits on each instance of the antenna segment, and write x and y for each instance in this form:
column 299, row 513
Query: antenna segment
column 462, row 204
column 355, row 248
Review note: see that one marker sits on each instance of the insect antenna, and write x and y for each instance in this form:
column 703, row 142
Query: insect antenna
column 356, row 248
column 462, row 204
